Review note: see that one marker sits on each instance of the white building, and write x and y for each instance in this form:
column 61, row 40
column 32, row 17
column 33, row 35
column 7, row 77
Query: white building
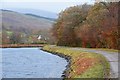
column 39, row 37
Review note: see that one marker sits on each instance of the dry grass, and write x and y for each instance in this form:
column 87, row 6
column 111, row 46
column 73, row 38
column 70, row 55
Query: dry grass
column 83, row 64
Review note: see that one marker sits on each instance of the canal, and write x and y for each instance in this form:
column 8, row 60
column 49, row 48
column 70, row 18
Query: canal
column 31, row 63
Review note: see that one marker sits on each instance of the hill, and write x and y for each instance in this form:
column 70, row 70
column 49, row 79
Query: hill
column 14, row 20
column 25, row 24
column 42, row 13
column 33, row 15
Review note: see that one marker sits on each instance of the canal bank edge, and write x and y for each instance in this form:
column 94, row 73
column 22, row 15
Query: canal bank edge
column 20, row 45
column 65, row 73
column 100, row 69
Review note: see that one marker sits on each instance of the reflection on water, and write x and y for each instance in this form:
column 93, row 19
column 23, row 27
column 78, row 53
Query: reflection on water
column 31, row 63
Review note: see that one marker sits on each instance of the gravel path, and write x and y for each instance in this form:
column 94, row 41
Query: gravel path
column 112, row 57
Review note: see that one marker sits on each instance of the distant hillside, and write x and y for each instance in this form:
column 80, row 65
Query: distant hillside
column 28, row 27
column 16, row 21
column 52, row 19
column 42, row 13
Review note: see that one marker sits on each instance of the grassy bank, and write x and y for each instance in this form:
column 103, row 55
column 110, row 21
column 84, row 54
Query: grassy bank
column 83, row 64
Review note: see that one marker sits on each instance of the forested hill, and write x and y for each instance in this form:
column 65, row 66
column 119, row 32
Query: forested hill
column 24, row 25
column 52, row 19
column 14, row 20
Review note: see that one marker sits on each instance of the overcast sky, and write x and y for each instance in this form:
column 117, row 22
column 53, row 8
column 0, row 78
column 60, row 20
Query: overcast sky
column 46, row 0
column 47, row 5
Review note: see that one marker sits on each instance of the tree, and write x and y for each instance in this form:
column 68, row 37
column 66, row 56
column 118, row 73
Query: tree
column 68, row 20
column 5, row 37
column 103, row 22
column 89, row 27
column 15, row 38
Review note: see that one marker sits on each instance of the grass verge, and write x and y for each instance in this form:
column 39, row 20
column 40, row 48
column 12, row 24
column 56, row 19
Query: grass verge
column 105, row 49
column 82, row 64
column 108, row 50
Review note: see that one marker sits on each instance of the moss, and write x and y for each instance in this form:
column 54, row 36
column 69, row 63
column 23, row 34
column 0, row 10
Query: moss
column 83, row 64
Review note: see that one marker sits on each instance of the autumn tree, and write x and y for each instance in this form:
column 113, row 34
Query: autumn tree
column 5, row 38
column 15, row 38
column 86, row 26
column 68, row 20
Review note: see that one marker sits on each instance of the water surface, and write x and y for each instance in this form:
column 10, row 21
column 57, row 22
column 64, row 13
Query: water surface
column 31, row 63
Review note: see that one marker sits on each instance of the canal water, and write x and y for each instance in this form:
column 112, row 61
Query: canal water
column 31, row 63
